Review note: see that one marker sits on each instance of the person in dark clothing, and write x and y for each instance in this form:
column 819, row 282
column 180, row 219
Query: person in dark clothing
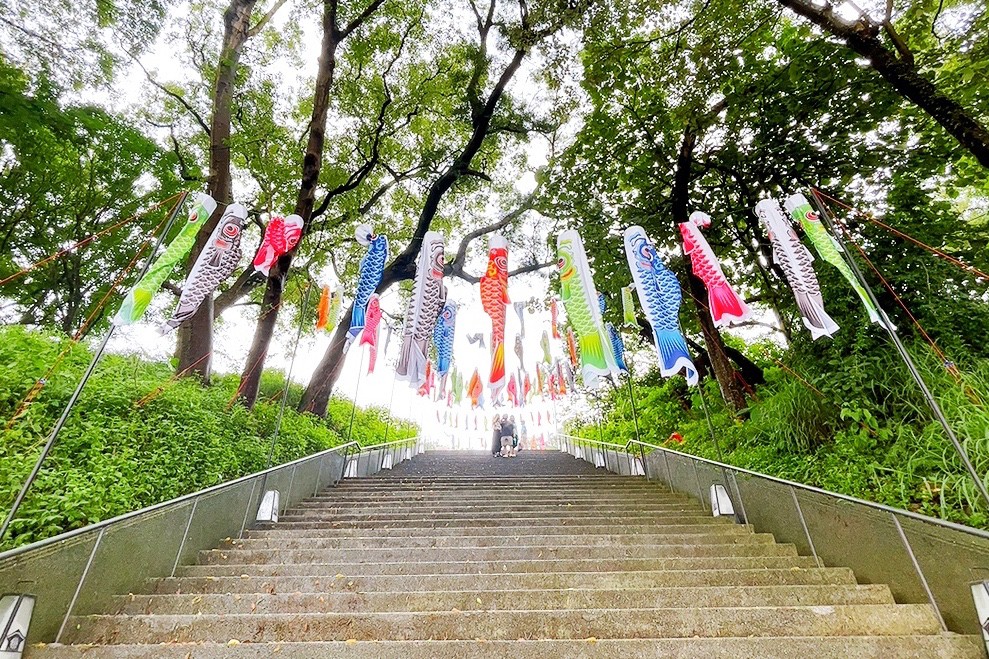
column 496, row 437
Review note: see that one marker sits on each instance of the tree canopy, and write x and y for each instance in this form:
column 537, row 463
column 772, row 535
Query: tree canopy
column 526, row 117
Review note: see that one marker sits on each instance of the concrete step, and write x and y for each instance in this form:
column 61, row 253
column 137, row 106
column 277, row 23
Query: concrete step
column 947, row 646
column 837, row 620
column 619, row 542
column 518, row 552
column 476, row 567
column 490, row 507
column 459, row 500
column 334, row 530
column 507, row 521
column 566, row 515
column 503, row 600
column 468, row 583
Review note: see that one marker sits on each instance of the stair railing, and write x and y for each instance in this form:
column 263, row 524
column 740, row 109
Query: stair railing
column 78, row 572
column 922, row 559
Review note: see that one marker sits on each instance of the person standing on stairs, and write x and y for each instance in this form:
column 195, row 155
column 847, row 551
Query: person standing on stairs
column 496, row 437
column 508, row 435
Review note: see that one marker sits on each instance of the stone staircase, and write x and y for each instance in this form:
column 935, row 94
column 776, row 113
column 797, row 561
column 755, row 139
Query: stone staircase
column 457, row 554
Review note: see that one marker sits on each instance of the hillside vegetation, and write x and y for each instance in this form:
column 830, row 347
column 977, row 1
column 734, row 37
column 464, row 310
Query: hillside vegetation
column 139, row 436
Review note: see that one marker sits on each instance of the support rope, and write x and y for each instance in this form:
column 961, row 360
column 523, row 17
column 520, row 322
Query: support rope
column 86, row 241
column 36, row 389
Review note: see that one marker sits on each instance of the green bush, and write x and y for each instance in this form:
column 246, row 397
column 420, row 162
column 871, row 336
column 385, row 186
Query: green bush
column 138, row 436
column 855, row 424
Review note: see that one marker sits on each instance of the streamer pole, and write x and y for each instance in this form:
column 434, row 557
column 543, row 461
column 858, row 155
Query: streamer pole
column 82, row 383
column 391, row 403
column 717, row 444
column 631, row 400
column 357, row 389
column 901, row 349
column 288, row 379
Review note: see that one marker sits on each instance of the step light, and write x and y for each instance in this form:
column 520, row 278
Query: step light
column 15, row 617
column 268, row 510
column 721, row 505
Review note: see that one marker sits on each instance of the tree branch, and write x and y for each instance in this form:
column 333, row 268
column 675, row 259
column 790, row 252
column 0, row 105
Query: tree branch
column 254, row 31
column 178, row 97
column 363, row 16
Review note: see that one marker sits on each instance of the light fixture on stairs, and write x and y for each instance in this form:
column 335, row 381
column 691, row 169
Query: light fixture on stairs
column 15, row 617
column 268, row 510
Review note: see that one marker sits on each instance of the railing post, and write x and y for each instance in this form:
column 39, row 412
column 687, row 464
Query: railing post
column 741, row 502
column 669, row 471
column 803, row 523
column 920, row 572
column 247, row 511
column 82, row 580
column 185, row 534
column 288, row 493
column 697, row 479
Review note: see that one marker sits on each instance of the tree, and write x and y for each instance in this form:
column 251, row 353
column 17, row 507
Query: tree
column 478, row 113
column 195, row 337
column 899, row 65
column 335, row 31
column 67, row 174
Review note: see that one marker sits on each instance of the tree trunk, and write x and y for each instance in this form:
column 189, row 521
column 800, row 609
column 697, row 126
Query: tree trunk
column 194, row 341
column 724, row 373
column 250, row 379
column 317, row 394
column 902, row 73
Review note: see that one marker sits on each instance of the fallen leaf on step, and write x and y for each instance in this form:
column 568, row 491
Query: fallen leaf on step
column 591, row 639
column 478, row 600
column 338, row 576
column 351, row 641
column 233, row 642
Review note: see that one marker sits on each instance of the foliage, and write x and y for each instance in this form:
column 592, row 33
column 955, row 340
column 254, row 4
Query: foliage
column 66, row 173
column 857, row 426
column 138, row 436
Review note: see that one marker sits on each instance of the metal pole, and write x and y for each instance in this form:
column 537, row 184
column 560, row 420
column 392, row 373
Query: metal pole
column 288, row 381
column 901, row 349
column 357, row 389
column 631, row 400
column 82, row 383
column 714, row 438
column 185, row 536
column 391, row 401
column 803, row 523
column 82, row 581
column 288, row 377
column 920, row 572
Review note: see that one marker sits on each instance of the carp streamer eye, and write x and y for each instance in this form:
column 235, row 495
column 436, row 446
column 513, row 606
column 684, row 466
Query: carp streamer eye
column 560, row 264
column 231, row 230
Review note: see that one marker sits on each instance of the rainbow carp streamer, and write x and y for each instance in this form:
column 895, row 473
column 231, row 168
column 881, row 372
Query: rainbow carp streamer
column 580, row 299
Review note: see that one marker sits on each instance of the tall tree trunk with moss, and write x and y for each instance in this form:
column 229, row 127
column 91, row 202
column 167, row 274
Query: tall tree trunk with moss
column 195, row 337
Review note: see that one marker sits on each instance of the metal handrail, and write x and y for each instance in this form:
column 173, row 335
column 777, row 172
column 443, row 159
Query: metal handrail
column 97, row 526
column 800, row 486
